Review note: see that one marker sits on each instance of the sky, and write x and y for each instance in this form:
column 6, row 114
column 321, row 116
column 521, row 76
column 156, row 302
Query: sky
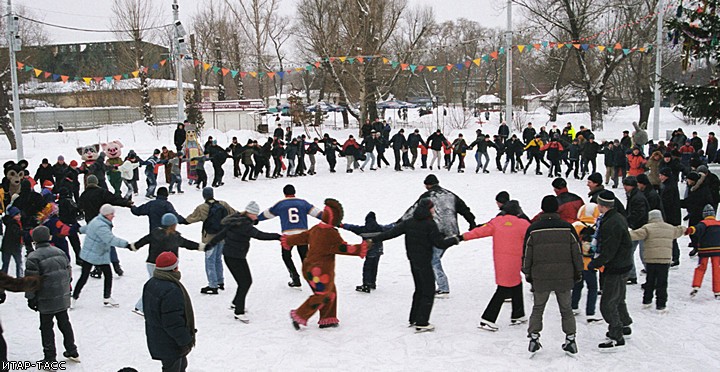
column 97, row 14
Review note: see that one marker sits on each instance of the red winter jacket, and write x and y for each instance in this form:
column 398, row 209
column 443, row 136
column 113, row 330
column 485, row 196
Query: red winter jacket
column 508, row 234
column 568, row 205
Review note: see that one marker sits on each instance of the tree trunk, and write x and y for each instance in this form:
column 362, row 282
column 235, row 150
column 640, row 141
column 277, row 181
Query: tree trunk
column 646, row 99
column 220, row 76
column 5, row 109
column 146, row 108
column 596, row 110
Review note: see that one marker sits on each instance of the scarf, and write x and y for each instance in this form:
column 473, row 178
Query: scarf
column 594, row 248
column 174, row 276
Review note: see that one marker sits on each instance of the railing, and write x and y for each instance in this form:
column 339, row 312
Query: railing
column 90, row 118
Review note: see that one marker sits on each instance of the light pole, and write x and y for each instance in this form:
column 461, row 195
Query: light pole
column 658, row 70
column 14, row 44
column 178, row 46
column 508, row 67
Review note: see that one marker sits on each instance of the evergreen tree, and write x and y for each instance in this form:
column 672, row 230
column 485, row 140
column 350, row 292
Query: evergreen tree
column 192, row 111
column 697, row 26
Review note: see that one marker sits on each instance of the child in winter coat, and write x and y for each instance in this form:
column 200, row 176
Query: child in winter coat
column 319, row 265
column 162, row 239
column 421, row 235
column 127, row 173
column 52, row 300
column 707, row 235
column 175, row 174
column 200, row 175
column 585, row 228
column 423, row 155
column 658, row 236
column 508, row 232
column 12, row 241
column 370, row 267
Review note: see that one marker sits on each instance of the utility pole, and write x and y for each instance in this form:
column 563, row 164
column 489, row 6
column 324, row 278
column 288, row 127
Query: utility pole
column 14, row 44
column 508, row 65
column 221, row 77
column 179, row 46
column 658, row 70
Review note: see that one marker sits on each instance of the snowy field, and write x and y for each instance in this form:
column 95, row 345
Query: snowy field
column 373, row 333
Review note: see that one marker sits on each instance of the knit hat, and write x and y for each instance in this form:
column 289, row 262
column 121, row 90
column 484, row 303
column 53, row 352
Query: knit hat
column 643, row 179
column 596, row 178
column 606, row 199
column 253, row 208
column 45, row 161
column 41, row 234
column 162, row 191
column 667, row 172
column 289, row 190
column 61, row 158
column 559, row 183
column 431, row 180
column 13, row 211
column 693, row 176
column 208, row 193
column 168, row 219
column 156, row 151
column 333, row 212
column 667, row 154
column 107, row 209
column 707, row 212
column 549, row 204
column 92, row 180
column 502, row 197
column 702, row 169
column 73, row 163
column 47, row 184
column 166, row 261
column 630, row 181
column 655, row 215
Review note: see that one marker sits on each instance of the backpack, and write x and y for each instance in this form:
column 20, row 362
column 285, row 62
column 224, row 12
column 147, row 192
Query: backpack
column 212, row 224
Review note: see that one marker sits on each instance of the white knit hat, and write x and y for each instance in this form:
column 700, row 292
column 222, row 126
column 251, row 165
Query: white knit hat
column 107, row 209
column 253, row 208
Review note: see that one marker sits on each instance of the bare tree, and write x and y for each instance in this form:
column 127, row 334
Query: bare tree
column 279, row 34
column 137, row 19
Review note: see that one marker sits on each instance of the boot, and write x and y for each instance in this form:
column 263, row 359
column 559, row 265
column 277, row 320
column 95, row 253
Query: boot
column 118, row 270
column 96, row 273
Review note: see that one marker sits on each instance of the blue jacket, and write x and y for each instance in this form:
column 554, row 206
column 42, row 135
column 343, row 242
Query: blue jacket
column 98, row 240
column 293, row 214
column 370, row 230
column 165, row 327
column 155, row 209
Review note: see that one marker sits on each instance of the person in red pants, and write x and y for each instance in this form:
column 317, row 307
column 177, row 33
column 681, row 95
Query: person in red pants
column 707, row 247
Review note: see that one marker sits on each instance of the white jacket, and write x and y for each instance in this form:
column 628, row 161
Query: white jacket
column 126, row 169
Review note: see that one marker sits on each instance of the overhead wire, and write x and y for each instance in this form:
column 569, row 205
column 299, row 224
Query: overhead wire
column 87, row 29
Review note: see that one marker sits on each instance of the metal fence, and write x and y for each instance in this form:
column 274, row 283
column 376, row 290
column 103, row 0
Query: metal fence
column 90, row 118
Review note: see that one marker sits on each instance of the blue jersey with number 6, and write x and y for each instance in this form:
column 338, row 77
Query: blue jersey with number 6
column 293, row 214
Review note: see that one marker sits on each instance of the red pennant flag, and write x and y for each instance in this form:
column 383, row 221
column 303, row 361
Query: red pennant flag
column 242, row 74
column 196, row 63
column 317, row 64
column 97, row 79
column 20, row 65
column 537, row 46
column 618, row 46
column 332, row 59
column 404, row 66
column 64, row 78
column 145, row 70
column 47, row 74
column 494, row 55
column 117, row 77
column 467, row 64
column 420, row 68
column 225, row 71
column 162, row 63
column 449, row 66
column 270, row 75
column 360, row 59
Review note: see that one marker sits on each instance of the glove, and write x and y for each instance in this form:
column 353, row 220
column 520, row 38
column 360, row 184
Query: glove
column 201, row 247
column 689, row 230
column 3, row 297
column 693, row 252
column 132, row 247
column 32, row 304
column 472, row 225
column 578, row 277
column 284, row 244
column 364, row 247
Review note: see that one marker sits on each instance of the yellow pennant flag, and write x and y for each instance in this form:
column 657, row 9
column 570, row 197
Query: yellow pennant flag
column 37, row 72
column 298, row 69
column 560, row 45
column 601, row 48
column 206, row 66
column 521, row 48
column 430, row 68
column 476, row 61
column 386, row 61
column 342, row 59
column 135, row 73
column 87, row 80
column 253, row 73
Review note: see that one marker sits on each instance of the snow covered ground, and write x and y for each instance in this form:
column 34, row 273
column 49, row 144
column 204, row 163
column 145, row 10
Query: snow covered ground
column 373, row 334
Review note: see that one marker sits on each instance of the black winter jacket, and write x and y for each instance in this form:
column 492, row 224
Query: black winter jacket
column 653, row 199
column 12, row 236
column 695, row 202
column 160, row 241
column 670, row 197
column 421, row 235
column 30, row 203
column 435, row 141
column 155, row 209
column 614, row 244
column 44, row 173
column 94, row 197
column 637, row 209
column 168, row 337
column 552, row 258
column 237, row 231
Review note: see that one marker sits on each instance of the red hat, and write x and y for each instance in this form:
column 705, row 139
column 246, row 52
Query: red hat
column 166, row 261
column 73, row 163
column 47, row 184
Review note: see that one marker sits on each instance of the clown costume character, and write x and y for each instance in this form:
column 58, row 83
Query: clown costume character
column 324, row 242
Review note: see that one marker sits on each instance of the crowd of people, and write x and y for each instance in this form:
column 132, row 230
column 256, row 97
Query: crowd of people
column 560, row 250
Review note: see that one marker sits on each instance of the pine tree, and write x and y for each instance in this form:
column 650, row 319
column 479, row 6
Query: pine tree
column 698, row 26
column 192, row 111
